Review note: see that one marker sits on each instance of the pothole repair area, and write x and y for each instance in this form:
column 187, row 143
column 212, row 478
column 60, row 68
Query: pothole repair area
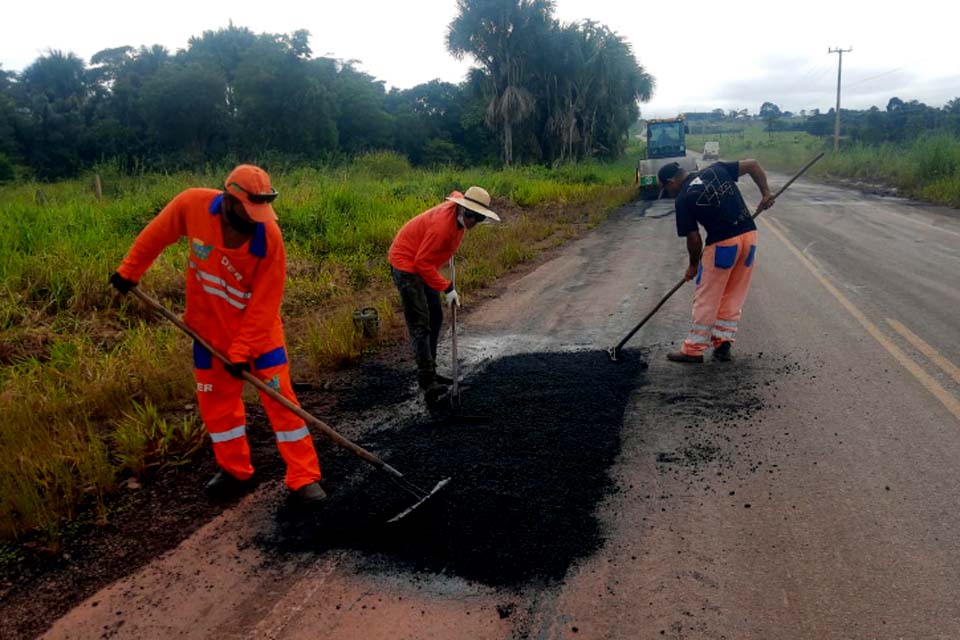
column 525, row 483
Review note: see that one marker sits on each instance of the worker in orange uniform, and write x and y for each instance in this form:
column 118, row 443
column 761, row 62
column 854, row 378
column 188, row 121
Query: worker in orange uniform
column 425, row 243
column 235, row 277
column 723, row 269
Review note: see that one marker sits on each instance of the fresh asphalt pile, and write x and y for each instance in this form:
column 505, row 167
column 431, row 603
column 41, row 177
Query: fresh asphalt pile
column 525, row 484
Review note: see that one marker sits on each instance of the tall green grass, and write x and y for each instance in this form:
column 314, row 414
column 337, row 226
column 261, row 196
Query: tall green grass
column 927, row 168
column 94, row 388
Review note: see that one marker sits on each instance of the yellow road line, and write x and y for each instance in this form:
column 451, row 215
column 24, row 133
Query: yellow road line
column 941, row 394
column 924, row 348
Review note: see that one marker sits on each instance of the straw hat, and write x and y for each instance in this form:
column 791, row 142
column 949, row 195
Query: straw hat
column 477, row 200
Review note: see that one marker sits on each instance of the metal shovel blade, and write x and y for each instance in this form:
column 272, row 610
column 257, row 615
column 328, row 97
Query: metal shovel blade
column 410, row 509
column 613, row 352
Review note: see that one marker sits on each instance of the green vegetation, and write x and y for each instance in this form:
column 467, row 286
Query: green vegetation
column 235, row 94
column 96, row 390
column 927, row 167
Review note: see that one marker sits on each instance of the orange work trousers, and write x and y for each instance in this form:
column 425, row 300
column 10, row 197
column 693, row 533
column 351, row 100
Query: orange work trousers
column 221, row 408
column 723, row 280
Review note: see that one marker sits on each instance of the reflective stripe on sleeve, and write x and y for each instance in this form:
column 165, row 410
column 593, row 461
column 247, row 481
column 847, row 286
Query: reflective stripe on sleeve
column 232, row 434
column 293, row 436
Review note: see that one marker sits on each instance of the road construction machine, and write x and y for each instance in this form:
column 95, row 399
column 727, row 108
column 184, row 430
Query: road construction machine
column 666, row 142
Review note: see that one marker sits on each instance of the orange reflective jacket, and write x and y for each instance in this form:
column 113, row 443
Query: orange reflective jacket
column 233, row 295
column 426, row 243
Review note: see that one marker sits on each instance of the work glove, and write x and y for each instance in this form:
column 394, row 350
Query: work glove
column 121, row 284
column 453, row 298
column 236, row 369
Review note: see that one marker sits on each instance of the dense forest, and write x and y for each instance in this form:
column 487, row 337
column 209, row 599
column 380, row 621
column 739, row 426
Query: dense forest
column 541, row 91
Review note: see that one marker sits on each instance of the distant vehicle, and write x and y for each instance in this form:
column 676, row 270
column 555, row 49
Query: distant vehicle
column 711, row 150
column 666, row 143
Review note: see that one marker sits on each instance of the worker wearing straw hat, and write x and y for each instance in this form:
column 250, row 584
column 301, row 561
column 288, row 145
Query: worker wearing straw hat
column 424, row 244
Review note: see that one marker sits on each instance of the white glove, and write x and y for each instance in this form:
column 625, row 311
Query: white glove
column 453, row 298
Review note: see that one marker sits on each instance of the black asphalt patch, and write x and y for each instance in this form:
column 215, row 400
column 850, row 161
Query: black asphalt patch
column 525, row 485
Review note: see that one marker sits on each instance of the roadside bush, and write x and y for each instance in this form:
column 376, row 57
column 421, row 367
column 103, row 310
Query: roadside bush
column 937, row 157
column 382, row 165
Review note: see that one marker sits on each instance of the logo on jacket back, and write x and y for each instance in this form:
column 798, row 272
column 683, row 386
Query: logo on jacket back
column 201, row 250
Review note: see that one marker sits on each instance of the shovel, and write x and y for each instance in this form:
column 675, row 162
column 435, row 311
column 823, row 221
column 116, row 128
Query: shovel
column 455, row 364
column 398, row 478
column 614, row 351
column 455, row 415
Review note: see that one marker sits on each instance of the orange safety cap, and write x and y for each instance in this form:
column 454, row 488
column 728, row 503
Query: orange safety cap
column 251, row 185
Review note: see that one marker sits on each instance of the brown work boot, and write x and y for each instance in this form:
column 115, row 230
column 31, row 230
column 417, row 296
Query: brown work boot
column 680, row 356
column 311, row 494
column 722, row 353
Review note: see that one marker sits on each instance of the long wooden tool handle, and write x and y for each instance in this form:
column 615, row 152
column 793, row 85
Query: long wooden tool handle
column 262, row 386
column 677, row 286
column 791, row 180
column 649, row 315
column 453, row 333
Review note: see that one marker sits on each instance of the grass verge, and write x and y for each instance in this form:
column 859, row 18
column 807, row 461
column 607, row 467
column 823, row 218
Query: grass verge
column 927, row 168
column 97, row 391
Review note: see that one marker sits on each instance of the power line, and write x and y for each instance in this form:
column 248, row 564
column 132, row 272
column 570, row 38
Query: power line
column 879, row 75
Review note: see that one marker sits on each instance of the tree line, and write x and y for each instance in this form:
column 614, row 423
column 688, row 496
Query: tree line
column 900, row 121
column 542, row 91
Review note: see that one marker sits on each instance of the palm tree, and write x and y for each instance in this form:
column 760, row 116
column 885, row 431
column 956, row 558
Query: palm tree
column 499, row 35
column 57, row 77
column 595, row 84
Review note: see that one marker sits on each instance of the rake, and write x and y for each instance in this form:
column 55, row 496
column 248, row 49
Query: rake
column 398, row 478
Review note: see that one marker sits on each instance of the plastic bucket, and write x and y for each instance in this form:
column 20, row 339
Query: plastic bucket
column 367, row 321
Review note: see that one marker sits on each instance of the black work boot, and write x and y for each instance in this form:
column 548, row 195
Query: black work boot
column 224, row 486
column 680, row 356
column 435, row 394
column 311, row 494
column 433, row 391
column 722, row 353
column 426, row 379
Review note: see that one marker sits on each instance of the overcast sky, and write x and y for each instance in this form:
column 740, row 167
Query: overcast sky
column 704, row 55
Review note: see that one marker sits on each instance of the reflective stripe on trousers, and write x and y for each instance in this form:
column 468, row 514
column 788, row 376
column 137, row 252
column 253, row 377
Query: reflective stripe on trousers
column 725, row 271
column 229, row 434
column 221, row 408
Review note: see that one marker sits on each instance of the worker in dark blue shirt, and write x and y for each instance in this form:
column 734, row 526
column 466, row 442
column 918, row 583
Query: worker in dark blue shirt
column 710, row 198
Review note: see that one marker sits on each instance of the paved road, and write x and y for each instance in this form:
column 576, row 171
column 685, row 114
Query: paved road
column 809, row 489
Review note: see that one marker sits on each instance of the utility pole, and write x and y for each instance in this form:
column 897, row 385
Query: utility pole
column 836, row 124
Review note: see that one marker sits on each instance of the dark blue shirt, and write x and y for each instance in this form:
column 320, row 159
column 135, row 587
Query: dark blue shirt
column 712, row 199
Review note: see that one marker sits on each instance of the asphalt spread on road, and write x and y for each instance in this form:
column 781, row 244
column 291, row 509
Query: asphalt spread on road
column 525, row 483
